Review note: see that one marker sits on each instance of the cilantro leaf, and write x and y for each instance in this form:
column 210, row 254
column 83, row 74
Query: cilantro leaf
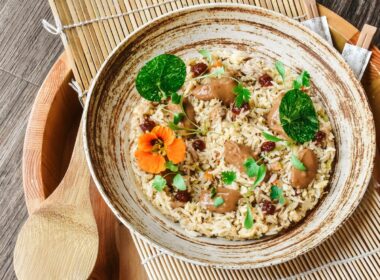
column 176, row 98
column 179, row 182
column 161, row 76
column 171, row 166
column 218, row 201
column 178, row 117
column 297, row 163
column 271, row 137
column 260, row 176
column 228, row 177
column 206, row 54
column 298, row 116
column 280, row 69
column 213, row 192
column 303, row 80
column 159, row 183
column 248, row 221
column 251, row 167
column 242, row 95
column 277, row 194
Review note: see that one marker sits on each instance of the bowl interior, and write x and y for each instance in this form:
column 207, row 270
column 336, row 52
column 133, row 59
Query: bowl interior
column 112, row 97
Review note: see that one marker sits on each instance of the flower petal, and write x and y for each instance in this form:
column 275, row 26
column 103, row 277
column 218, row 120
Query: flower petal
column 145, row 142
column 150, row 162
column 176, row 151
column 165, row 133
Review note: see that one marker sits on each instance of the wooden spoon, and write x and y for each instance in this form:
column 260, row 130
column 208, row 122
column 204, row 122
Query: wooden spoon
column 60, row 239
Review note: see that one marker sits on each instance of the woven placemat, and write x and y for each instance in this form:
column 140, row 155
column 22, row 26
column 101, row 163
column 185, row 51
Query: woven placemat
column 90, row 29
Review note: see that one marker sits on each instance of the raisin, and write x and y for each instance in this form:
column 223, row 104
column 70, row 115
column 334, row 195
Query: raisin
column 199, row 145
column 237, row 111
column 265, row 80
column 267, row 207
column 199, row 68
column 319, row 137
column 148, row 124
column 183, row 196
column 268, row 146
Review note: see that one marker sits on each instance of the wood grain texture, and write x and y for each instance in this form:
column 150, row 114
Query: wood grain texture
column 28, row 52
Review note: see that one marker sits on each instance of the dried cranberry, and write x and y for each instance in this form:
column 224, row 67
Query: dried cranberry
column 265, row 80
column 199, row 145
column 237, row 111
column 183, row 196
column 148, row 124
column 267, row 207
column 319, row 136
column 268, row 146
column 199, row 68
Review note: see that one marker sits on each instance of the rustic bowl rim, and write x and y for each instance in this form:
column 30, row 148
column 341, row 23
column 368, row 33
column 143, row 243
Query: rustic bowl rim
column 333, row 227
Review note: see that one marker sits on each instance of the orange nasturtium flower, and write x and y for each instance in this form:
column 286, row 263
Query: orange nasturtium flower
column 155, row 146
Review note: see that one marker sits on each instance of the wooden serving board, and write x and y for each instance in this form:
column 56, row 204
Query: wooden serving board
column 51, row 135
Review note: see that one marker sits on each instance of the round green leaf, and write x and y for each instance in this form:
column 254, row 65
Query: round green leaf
column 298, row 116
column 160, row 77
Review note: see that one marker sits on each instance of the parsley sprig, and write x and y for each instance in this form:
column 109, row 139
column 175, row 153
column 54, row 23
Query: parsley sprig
column 253, row 169
column 242, row 95
column 248, row 221
column 297, row 163
column 228, row 177
column 277, row 193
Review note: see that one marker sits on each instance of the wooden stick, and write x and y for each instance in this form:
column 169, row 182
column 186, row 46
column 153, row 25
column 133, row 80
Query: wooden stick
column 366, row 36
column 311, row 9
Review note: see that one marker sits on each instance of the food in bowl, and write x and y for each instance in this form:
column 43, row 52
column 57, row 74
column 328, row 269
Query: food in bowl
column 230, row 145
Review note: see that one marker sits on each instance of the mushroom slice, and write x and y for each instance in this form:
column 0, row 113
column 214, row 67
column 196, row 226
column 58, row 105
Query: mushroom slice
column 236, row 154
column 302, row 179
column 230, row 197
column 189, row 120
column 273, row 118
column 220, row 88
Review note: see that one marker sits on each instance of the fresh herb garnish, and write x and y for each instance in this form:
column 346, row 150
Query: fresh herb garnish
column 248, row 221
column 297, row 163
column 171, row 166
column 260, row 175
column 280, row 69
column 228, row 177
column 271, row 137
column 242, row 95
column 218, row 201
column 213, row 192
column 277, row 194
column 216, row 73
column 160, row 77
column 179, row 182
column 206, row 54
column 176, row 98
column 178, row 117
column 298, row 116
column 159, row 183
column 303, row 80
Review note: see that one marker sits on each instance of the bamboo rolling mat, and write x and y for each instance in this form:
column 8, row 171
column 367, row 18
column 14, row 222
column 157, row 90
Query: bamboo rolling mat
column 353, row 252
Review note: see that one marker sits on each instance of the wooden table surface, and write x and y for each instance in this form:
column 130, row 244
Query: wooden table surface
column 27, row 52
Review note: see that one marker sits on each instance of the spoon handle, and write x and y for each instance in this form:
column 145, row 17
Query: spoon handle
column 73, row 188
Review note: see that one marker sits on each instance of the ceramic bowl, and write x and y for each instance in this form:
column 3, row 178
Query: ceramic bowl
column 112, row 96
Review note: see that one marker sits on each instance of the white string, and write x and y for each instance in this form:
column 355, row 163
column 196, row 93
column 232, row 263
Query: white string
column 333, row 263
column 56, row 30
column 76, row 87
column 151, row 258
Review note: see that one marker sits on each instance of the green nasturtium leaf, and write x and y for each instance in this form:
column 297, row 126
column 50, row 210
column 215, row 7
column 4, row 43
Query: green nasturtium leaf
column 298, row 116
column 160, row 77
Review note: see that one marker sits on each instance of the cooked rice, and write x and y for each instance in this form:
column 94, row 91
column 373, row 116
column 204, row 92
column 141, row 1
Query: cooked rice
column 197, row 220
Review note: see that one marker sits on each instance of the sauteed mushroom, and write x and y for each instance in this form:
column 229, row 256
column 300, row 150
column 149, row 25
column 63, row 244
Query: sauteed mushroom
column 229, row 196
column 301, row 179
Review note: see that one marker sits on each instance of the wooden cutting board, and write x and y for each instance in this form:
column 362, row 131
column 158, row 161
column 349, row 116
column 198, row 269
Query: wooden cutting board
column 50, row 138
